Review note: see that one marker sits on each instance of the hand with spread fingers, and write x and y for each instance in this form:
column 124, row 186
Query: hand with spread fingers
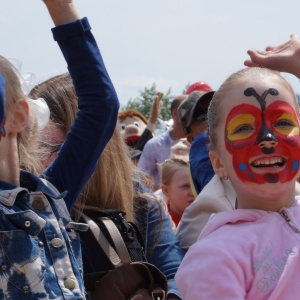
column 283, row 58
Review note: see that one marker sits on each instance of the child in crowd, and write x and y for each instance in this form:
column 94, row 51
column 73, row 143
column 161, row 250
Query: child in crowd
column 252, row 252
column 176, row 186
column 40, row 256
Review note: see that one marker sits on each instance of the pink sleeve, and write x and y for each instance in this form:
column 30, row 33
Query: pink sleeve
column 212, row 270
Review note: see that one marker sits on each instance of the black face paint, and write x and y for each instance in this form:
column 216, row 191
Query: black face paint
column 265, row 133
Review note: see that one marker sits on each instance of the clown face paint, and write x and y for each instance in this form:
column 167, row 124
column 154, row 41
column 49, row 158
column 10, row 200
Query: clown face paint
column 264, row 142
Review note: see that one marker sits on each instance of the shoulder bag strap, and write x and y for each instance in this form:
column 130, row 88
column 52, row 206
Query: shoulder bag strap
column 117, row 239
column 117, row 258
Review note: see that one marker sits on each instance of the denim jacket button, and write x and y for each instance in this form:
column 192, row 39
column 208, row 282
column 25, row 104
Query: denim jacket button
column 41, row 244
column 4, row 267
column 56, row 242
column 38, row 203
column 25, row 288
column 27, row 223
column 43, row 267
column 70, row 283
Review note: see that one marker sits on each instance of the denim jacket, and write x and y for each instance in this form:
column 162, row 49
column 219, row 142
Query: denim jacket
column 39, row 247
column 161, row 245
column 38, row 257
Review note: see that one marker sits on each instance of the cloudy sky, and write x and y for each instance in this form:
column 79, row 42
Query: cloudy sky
column 167, row 42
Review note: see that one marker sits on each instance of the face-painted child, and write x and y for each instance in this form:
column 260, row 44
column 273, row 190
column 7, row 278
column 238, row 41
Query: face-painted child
column 256, row 141
column 251, row 252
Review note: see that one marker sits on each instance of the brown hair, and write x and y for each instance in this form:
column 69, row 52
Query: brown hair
column 131, row 113
column 27, row 139
column 215, row 108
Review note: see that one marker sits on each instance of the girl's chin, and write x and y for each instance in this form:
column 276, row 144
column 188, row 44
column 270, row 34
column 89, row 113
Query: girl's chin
column 269, row 189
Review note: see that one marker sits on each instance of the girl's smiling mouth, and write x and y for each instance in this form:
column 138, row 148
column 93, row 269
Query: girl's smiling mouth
column 269, row 162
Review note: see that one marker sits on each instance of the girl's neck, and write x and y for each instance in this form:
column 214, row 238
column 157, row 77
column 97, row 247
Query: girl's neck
column 9, row 161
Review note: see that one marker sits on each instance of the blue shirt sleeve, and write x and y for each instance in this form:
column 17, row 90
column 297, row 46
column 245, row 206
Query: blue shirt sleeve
column 162, row 245
column 200, row 165
column 98, row 108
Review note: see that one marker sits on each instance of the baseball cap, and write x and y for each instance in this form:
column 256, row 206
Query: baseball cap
column 201, row 86
column 195, row 106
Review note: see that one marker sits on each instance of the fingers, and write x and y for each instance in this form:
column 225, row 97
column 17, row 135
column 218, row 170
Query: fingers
column 159, row 96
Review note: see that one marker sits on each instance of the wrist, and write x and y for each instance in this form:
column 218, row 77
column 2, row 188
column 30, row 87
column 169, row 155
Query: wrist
column 61, row 14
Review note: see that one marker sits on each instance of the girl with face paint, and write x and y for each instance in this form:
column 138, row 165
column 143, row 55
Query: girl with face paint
column 251, row 252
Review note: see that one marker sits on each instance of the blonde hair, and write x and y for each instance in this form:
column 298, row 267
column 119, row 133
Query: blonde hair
column 29, row 156
column 215, row 108
column 111, row 185
column 170, row 166
column 59, row 93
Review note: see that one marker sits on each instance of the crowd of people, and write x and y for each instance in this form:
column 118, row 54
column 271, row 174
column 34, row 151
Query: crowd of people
column 215, row 196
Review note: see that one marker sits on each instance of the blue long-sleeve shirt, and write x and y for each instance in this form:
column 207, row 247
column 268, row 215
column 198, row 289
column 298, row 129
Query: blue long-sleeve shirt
column 200, row 165
column 39, row 248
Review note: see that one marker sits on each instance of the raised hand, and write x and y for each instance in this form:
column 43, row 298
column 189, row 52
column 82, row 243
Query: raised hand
column 62, row 11
column 283, row 58
column 156, row 107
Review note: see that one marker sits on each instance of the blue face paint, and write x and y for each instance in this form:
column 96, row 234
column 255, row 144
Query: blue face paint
column 295, row 165
column 242, row 166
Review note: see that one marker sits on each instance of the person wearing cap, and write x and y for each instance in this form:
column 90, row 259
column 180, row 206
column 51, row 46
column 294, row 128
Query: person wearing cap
column 193, row 118
column 201, row 86
column 213, row 195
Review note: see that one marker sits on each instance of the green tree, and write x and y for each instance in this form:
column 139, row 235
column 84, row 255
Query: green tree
column 143, row 102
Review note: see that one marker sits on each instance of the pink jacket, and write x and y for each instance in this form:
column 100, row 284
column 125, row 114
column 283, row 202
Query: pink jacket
column 245, row 254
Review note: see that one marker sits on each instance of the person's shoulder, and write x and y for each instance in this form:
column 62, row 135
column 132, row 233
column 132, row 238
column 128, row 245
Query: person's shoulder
column 217, row 192
column 159, row 138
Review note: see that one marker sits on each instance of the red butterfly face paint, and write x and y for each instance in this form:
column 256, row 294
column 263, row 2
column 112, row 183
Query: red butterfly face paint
column 264, row 143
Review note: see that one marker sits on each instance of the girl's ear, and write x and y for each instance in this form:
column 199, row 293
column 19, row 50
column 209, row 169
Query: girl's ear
column 165, row 190
column 217, row 165
column 20, row 116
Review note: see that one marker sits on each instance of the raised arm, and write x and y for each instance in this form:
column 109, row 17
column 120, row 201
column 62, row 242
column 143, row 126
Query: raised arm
column 62, row 11
column 97, row 102
column 155, row 111
column 283, row 58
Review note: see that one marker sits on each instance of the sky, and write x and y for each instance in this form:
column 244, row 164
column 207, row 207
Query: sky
column 167, row 42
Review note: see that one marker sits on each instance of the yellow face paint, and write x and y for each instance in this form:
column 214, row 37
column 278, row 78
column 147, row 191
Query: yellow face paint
column 239, row 127
column 285, row 119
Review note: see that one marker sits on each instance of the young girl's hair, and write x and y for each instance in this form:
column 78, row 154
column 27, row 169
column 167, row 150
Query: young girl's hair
column 59, row 93
column 215, row 108
column 111, row 185
column 170, row 166
column 27, row 139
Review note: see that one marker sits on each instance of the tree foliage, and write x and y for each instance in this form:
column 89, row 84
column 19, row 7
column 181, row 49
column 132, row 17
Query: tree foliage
column 143, row 102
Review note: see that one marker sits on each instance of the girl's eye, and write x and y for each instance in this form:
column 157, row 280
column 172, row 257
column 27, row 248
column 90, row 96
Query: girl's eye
column 245, row 128
column 283, row 123
column 136, row 124
column 122, row 126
